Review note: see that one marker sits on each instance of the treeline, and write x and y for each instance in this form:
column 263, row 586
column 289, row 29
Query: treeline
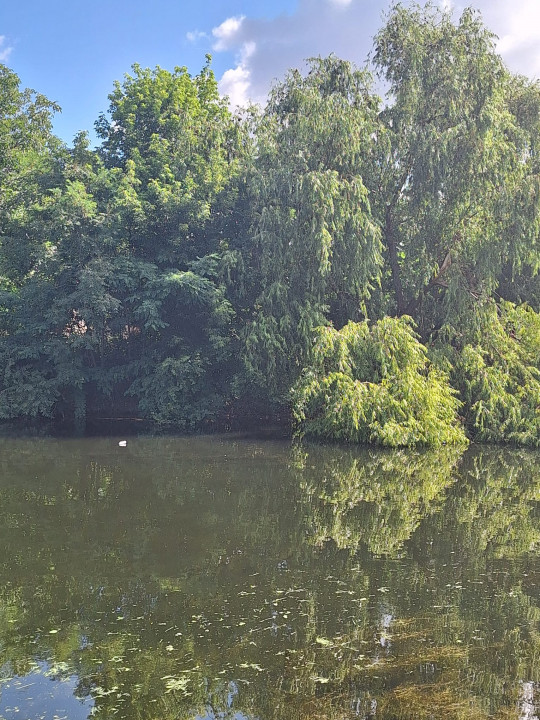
column 367, row 267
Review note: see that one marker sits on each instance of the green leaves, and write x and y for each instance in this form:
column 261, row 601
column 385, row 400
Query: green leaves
column 115, row 302
column 315, row 245
column 375, row 385
column 176, row 144
column 183, row 266
column 496, row 370
column 454, row 163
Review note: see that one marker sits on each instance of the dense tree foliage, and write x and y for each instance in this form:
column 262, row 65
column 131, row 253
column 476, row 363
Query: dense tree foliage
column 179, row 271
column 375, row 385
column 453, row 165
column 126, row 298
column 315, row 249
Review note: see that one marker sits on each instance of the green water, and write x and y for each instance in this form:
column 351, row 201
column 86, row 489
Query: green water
column 225, row 577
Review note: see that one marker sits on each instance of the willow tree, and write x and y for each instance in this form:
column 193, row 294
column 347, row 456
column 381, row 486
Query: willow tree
column 376, row 385
column 316, row 249
column 456, row 176
column 452, row 175
column 456, row 188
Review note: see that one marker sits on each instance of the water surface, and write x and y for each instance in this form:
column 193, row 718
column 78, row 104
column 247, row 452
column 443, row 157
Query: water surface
column 226, row 577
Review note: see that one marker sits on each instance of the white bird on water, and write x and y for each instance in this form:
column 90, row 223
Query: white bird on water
column 122, row 443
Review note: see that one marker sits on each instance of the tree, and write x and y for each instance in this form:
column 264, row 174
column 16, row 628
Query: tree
column 29, row 163
column 375, row 385
column 452, row 175
column 455, row 181
column 460, row 209
column 315, row 251
column 125, row 310
column 31, row 159
column 496, row 369
column 174, row 147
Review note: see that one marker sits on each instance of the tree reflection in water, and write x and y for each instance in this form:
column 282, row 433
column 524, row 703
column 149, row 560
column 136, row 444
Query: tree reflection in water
column 232, row 578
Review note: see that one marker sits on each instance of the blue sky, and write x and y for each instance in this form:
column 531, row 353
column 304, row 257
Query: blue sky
column 73, row 50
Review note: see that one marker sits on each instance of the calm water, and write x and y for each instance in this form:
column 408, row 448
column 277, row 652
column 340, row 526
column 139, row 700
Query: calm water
column 232, row 578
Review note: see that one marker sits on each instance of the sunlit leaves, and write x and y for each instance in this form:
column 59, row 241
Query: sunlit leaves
column 375, row 385
column 496, row 368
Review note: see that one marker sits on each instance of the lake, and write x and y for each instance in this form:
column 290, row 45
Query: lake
column 241, row 578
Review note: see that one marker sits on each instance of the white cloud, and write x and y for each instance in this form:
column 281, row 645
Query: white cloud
column 235, row 82
column 227, row 32
column 518, row 26
column 195, row 35
column 265, row 48
column 5, row 51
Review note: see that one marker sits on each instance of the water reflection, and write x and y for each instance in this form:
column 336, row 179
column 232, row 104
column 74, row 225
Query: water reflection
column 372, row 499
column 229, row 578
column 45, row 693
